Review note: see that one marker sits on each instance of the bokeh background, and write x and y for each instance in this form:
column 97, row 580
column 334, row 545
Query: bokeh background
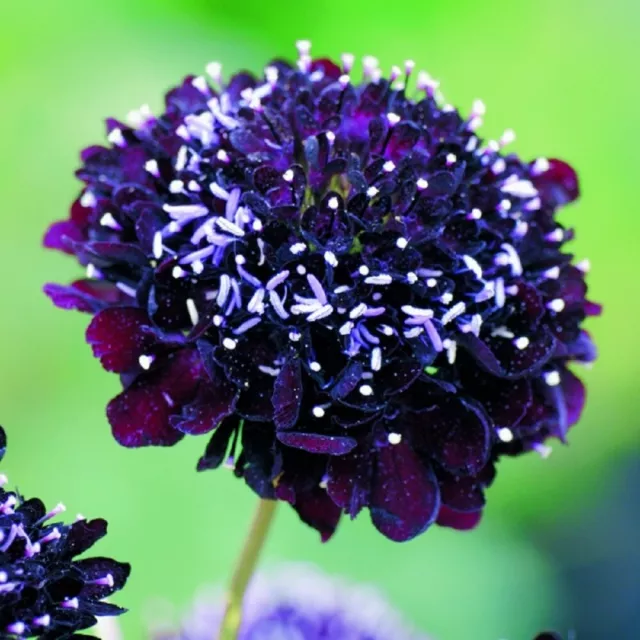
column 556, row 548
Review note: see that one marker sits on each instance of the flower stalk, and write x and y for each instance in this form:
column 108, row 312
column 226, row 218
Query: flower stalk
column 245, row 567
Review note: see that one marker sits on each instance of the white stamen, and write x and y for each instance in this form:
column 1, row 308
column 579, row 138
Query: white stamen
column 393, row 118
column 376, row 359
column 394, row 438
column 372, row 191
column 557, row 235
column 472, row 265
column 502, row 332
column 505, row 434
column 116, row 137
column 412, row 277
column 107, row 220
column 176, row 186
column 318, row 412
column 193, row 311
column 458, row 309
column 451, row 159
column 553, row 273
column 452, row 347
column 475, row 214
column 402, row 243
column 333, row 203
column 417, row 312
column 382, row 279
column 366, row 390
column 229, row 227
column 541, row 165
column 330, row 258
column 552, row 378
column 229, row 343
column 388, row 166
column 297, row 248
column 146, row 361
column 521, row 343
column 357, row 311
column 584, row 265
column 556, row 305
column 520, row 188
column 315, row 366
column 287, row 176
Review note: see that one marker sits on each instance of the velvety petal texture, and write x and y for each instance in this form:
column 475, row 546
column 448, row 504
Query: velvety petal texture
column 360, row 300
column 45, row 591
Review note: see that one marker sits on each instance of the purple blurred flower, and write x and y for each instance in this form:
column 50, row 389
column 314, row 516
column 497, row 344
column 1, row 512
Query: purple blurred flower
column 44, row 591
column 365, row 302
column 299, row 603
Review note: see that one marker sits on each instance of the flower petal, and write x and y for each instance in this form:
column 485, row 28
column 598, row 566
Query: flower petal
column 215, row 401
column 405, row 498
column 316, row 509
column 140, row 415
column 287, row 395
column 119, row 336
column 458, row 520
column 315, row 443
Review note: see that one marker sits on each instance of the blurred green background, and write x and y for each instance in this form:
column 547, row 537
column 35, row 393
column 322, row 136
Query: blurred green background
column 562, row 73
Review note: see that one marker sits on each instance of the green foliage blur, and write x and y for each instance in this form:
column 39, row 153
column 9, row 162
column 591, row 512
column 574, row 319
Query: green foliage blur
column 562, row 73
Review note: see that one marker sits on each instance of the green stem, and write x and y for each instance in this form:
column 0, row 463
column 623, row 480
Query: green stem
column 245, row 567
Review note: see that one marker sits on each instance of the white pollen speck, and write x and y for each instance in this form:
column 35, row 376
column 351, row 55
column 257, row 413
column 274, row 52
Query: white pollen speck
column 240, row 259
column 446, row 298
column 431, row 282
column 214, row 69
column 388, row 166
column 451, row 159
column 557, row 235
column 315, row 366
column 229, row 343
column 197, row 267
column 556, row 305
column 478, row 108
column 393, row 118
column 505, row 434
column 145, row 361
column 521, row 343
column 422, row 184
column 301, row 269
column 333, row 203
column 287, row 176
column 222, row 155
column 88, row 200
column 363, row 270
column 200, row 84
column 318, row 412
column 402, row 243
column 394, row 438
column 330, row 136
column 366, row 390
column 178, row 272
column 372, row 191
column 475, row 214
column 193, row 311
column 412, row 277
column 552, row 378
column 294, row 336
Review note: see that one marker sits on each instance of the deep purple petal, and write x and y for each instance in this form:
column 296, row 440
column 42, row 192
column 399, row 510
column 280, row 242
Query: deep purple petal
column 215, row 401
column 96, row 568
column 140, row 415
column 315, row 443
column 119, row 336
column 405, row 498
column 82, row 535
column 458, row 520
column 558, row 185
column 350, row 481
column 455, row 434
column 61, row 235
column 287, row 395
column 83, row 295
column 316, row 509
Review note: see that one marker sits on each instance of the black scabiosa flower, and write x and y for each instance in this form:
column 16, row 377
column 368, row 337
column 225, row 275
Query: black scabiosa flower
column 298, row 602
column 364, row 301
column 45, row 591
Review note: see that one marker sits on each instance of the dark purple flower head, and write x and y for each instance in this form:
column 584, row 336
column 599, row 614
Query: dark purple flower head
column 44, row 590
column 299, row 603
column 365, row 302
